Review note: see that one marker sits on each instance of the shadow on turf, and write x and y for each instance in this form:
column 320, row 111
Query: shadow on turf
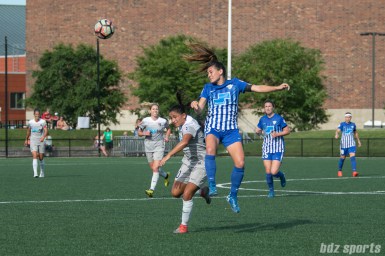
column 258, row 227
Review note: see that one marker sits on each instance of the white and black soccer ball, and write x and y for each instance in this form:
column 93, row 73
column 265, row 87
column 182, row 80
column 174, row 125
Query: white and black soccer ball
column 104, row 29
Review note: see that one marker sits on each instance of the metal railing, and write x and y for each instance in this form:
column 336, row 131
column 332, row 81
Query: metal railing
column 13, row 124
column 129, row 146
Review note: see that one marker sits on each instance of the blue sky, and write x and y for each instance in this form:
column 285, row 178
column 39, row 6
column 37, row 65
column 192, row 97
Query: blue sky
column 13, row 2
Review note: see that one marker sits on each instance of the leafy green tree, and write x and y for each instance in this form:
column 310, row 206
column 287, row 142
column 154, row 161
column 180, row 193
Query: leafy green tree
column 67, row 83
column 165, row 77
column 280, row 60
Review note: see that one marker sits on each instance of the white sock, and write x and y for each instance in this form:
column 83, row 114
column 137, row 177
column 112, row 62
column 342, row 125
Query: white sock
column 154, row 180
column 34, row 166
column 42, row 165
column 186, row 211
column 162, row 173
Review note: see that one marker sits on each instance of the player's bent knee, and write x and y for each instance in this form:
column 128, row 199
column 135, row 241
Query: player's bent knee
column 176, row 193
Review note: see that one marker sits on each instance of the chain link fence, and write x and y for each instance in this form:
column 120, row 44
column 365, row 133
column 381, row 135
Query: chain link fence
column 130, row 146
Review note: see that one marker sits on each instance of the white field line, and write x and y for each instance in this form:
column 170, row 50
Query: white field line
column 224, row 186
column 227, row 186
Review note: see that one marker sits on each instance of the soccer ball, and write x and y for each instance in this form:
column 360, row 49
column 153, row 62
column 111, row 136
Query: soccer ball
column 104, row 29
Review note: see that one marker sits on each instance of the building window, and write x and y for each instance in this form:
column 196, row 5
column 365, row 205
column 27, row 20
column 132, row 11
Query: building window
column 17, row 100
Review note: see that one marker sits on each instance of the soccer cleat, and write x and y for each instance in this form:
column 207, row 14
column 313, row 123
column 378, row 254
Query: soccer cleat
column 36, row 176
column 149, row 192
column 271, row 194
column 283, row 180
column 206, row 194
column 339, row 174
column 213, row 190
column 182, row 229
column 355, row 174
column 233, row 203
column 41, row 175
column 166, row 180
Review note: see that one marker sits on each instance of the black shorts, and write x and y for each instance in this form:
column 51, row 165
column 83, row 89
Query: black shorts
column 109, row 145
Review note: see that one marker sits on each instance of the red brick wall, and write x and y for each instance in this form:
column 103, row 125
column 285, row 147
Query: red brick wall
column 16, row 83
column 15, row 63
column 333, row 26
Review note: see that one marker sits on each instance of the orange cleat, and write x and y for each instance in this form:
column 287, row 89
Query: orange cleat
column 339, row 174
column 355, row 174
column 181, row 230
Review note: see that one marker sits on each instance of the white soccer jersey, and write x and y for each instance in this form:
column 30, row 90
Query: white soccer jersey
column 155, row 141
column 196, row 148
column 37, row 129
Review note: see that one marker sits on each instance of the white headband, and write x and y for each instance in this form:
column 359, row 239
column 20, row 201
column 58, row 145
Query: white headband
column 348, row 115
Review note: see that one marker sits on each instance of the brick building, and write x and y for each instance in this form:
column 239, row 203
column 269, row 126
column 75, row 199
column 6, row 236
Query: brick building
column 12, row 18
column 16, row 90
column 333, row 26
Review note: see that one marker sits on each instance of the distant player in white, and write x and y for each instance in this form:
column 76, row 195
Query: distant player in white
column 153, row 128
column 348, row 130
column 36, row 133
column 192, row 174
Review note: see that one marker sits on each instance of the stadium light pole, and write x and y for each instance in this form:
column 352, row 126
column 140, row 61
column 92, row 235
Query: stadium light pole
column 6, row 95
column 229, row 42
column 373, row 34
column 98, row 91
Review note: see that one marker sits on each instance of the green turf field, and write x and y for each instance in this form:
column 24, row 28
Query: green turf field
column 97, row 206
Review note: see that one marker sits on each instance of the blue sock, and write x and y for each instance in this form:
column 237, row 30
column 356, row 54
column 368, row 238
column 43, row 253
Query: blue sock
column 211, row 169
column 269, row 181
column 354, row 163
column 236, row 180
column 341, row 163
column 278, row 175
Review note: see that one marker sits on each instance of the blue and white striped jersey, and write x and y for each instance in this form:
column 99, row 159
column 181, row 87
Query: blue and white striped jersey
column 347, row 134
column 222, row 103
column 268, row 125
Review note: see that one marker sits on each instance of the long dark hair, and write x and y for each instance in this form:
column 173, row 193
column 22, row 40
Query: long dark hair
column 205, row 56
column 178, row 109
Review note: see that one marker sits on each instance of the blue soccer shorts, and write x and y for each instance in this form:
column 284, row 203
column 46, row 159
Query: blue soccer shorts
column 226, row 137
column 278, row 156
column 347, row 151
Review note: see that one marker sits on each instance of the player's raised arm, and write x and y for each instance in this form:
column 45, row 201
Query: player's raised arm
column 179, row 147
column 198, row 106
column 268, row 88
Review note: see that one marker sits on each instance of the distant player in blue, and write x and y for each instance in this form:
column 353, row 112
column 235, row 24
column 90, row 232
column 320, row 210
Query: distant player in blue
column 221, row 120
column 273, row 127
column 348, row 144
